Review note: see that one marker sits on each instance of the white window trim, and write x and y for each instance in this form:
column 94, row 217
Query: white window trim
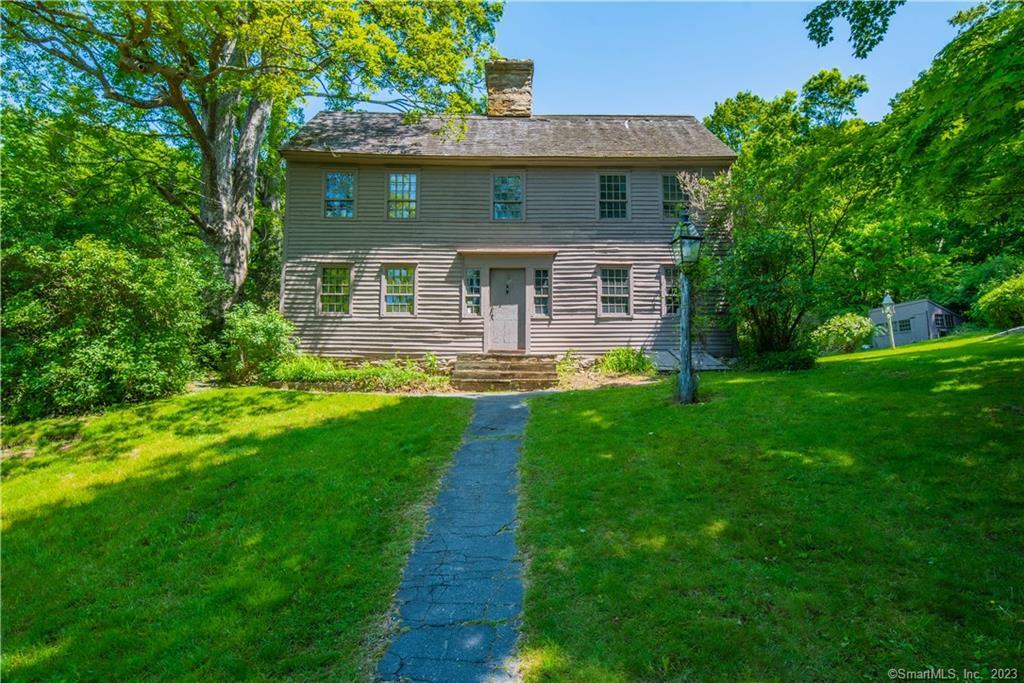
column 319, row 288
column 663, row 273
column 629, row 195
column 355, row 194
column 661, row 208
column 384, row 313
column 522, row 180
column 387, row 192
column 463, row 293
column 533, row 293
column 600, row 287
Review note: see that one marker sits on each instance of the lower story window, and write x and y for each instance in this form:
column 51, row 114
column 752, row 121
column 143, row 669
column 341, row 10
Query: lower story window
column 399, row 289
column 670, row 290
column 615, row 290
column 472, row 304
column 542, row 291
column 335, row 289
column 903, row 325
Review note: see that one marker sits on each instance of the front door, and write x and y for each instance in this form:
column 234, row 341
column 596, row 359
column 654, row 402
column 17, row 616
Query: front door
column 507, row 319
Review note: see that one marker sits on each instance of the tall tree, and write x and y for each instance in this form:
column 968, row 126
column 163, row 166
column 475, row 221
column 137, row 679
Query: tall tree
column 212, row 74
column 869, row 22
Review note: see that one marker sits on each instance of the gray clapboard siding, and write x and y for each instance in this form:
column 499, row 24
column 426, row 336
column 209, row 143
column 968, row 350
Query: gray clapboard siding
column 454, row 205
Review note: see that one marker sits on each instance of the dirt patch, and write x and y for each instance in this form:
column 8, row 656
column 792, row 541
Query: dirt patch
column 588, row 379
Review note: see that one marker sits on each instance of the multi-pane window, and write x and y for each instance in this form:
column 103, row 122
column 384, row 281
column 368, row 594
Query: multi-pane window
column 340, row 195
column 508, row 198
column 903, row 325
column 615, row 290
column 472, row 284
column 402, row 195
column 944, row 321
column 613, row 196
column 335, row 289
column 542, row 292
column 673, row 199
column 399, row 289
column 670, row 290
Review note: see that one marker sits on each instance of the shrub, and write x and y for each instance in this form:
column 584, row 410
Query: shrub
column 802, row 359
column 384, row 376
column 1003, row 305
column 94, row 325
column 843, row 333
column 255, row 343
column 625, row 360
column 569, row 364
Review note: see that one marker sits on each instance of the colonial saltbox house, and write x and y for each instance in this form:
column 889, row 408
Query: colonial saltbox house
column 525, row 234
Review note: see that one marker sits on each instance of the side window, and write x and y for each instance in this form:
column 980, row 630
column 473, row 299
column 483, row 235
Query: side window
column 507, row 198
column 472, row 292
column 542, row 291
column 614, row 288
column 335, row 289
column 402, row 195
column 339, row 194
column 399, row 294
column 669, row 290
column 613, row 196
column 673, row 199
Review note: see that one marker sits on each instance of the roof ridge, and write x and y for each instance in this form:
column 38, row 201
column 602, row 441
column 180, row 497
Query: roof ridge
column 518, row 118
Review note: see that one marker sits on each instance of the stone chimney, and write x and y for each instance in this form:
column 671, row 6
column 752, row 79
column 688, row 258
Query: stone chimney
column 510, row 87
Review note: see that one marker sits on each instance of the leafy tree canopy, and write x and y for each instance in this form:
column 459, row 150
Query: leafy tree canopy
column 869, row 22
column 214, row 76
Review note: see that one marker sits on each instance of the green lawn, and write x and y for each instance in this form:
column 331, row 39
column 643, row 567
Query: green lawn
column 828, row 524
column 241, row 533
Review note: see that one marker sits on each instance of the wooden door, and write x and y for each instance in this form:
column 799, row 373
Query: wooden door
column 507, row 317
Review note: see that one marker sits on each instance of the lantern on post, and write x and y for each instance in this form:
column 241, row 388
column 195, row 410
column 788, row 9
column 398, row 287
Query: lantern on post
column 889, row 308
column 686, row 242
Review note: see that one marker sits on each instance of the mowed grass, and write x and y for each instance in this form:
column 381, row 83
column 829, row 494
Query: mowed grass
column 823, row 525
column 242, row 533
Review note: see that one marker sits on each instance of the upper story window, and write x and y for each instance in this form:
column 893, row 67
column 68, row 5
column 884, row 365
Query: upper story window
column 613, row 196
column 542, row 291
column 669, row 290
column 335, row 289
column 507, row 200
column 402, row 193
column 673, row 199
column 340, row 195
column 472, row 292
column 400, row 289
column 615, row 290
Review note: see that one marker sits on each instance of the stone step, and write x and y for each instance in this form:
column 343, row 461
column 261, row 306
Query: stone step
column 501, row 365
column 501, row 384
column 493, row 373
column 507, row 356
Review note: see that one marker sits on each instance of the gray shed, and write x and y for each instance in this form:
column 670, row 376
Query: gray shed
column 914, row 321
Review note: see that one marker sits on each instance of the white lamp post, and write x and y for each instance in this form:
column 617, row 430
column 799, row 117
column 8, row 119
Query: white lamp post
column 889, row 306
column 685, row 249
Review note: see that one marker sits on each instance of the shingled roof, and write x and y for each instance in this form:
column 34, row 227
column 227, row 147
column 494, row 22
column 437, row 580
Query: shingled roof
column 535, row 137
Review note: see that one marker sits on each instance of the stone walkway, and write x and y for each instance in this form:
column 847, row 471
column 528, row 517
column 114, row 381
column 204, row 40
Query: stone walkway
column 462, row 593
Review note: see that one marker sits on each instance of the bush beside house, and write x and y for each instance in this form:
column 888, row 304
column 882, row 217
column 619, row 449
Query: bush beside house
column 843, row 333
column 1003, row 305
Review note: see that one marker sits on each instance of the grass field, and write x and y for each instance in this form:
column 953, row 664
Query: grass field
column 230, row 534
column 823, row 525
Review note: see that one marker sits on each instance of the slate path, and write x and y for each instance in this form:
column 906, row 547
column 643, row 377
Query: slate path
column 462, row 592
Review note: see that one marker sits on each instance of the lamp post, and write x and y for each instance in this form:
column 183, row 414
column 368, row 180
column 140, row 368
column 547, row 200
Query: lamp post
column 685, row 249
column 889, row 306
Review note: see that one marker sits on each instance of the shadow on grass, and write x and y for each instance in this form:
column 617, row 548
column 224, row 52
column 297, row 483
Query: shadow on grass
column 824, row 524
column 261, row 554
column 208, row 413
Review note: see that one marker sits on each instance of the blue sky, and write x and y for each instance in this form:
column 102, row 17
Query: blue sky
column 682, row 57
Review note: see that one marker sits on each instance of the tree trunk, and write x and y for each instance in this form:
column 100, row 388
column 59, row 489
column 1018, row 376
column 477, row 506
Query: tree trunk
column 227, row 205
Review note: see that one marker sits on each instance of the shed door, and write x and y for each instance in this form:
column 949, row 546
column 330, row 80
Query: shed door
column 507, row 318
